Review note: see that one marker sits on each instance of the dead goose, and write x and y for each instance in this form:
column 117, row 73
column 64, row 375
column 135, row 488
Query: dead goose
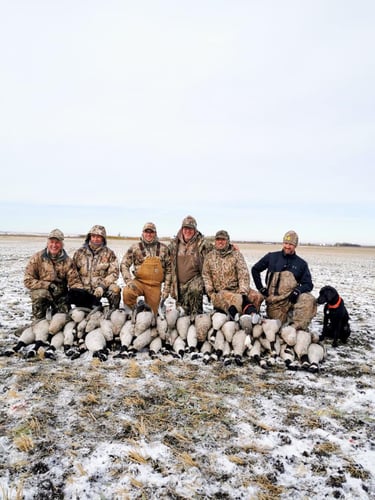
column 246, row 323
column 191, row 338
column 81, row 328
column 78, row 313
column 93, row 320
column 69, row 334
column 257, row 331
column 239, row 347
column 57, row 341
column 182, row 326
column 162, row 327
column 302, row 343
column 206, row 351
column 142, row 340
column 219, row 343
column 289, row 335
column 227, row 353
column 106, row 327
column 301, row 348
column 143, row 321
column 126, row 338
column 171, row 317
column 26, row 338
column 316, row 354
column 255, row 351
column 218, row 320
column 169, row 341
column 118, row 318
column 202, row 323
column 155, row 347
column 96, row 344
column 42, row 334
column 287, row 354
column 229, row 328
column 179, row 346
column 41, row 330
column 270, row 328
column 58, row 322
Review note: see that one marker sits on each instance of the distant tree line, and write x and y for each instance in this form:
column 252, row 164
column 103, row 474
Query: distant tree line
column 346, row 245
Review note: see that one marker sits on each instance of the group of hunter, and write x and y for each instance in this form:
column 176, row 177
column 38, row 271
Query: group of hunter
column 186, row 269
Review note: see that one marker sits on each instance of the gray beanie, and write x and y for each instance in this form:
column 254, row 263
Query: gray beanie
column 291, row 237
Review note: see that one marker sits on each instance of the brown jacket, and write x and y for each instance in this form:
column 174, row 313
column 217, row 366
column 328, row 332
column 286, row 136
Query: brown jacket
column 136, row 255
column 41, row 271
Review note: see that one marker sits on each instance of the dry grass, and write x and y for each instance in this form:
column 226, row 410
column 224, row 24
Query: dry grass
column 10, row 495
column 326, row 449
column 24, row 442
column 138, row 457
column 268, row 490
column 187, row 460
column 257, row 448
column 133, row 370
column 90, row 399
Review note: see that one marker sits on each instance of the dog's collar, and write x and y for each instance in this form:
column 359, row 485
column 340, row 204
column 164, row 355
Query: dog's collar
column 335, row 306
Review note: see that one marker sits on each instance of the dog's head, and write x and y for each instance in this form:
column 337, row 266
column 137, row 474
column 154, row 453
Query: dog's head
column 327, row 294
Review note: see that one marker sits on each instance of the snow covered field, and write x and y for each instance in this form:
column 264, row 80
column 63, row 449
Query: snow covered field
column 169, row 428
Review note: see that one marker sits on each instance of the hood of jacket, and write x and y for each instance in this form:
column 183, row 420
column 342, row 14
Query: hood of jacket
column 97, row 229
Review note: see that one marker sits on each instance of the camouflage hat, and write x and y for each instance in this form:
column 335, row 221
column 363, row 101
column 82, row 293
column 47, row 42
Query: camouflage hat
column 190, row 222
column 222, row 235
column 56, row 234
column 99, row 230
column 291, row 237
column 149, row 225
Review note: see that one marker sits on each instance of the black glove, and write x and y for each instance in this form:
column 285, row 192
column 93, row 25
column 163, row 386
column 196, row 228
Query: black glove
column 264, row 291
column 293, row 297
column 142, row 306
column 233, row 313
column 54, row 289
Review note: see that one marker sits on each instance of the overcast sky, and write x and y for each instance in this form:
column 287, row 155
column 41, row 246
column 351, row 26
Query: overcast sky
column 254, row 116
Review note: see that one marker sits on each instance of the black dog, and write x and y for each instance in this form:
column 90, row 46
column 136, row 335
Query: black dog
column 336, row 317
column 82, row 298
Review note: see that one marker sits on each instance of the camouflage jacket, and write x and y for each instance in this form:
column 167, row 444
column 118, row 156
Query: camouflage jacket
column 138, row 252
column 226, row 270
column 196, row 250
column 41, row 271
column 96, row 268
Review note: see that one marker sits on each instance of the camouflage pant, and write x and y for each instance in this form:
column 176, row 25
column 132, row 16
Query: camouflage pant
column 42, row 299
column 190, row 295
column 279, row 306
column 224, row 299
column 299, row 314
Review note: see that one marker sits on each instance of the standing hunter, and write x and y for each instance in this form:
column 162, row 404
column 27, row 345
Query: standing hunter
column 188, row 250
column 288, row 284
column 145, row 267
column 98, row 267
column 49, row 274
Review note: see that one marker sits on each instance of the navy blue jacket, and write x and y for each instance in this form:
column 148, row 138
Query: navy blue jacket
column 277, row 262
